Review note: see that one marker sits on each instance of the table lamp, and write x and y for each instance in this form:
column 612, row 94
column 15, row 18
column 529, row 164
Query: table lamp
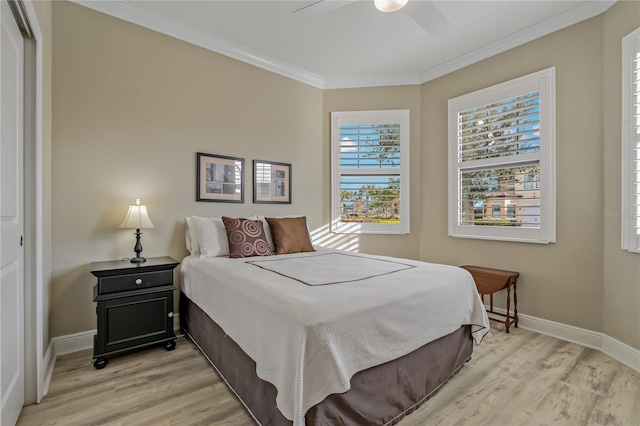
column 137, row 218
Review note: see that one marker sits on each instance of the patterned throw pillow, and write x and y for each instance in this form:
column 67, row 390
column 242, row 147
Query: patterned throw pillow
column 246, row 238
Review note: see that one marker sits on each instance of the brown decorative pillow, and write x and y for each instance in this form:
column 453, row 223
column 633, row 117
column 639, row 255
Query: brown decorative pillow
column 246, row 238
column 290, row 234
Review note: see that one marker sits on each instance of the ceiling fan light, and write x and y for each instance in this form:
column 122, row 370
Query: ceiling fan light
column 389, row 5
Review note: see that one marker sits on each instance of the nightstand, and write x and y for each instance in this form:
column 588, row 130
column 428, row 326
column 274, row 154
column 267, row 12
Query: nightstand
column 489, row 281
column 134, row 306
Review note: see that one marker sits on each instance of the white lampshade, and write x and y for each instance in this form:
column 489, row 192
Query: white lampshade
column 137, row 217
column 389, row 5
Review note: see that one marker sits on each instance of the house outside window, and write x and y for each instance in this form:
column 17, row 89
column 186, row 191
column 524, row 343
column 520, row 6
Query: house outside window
column 502, row 151
column 630, row 213
column 370, row 172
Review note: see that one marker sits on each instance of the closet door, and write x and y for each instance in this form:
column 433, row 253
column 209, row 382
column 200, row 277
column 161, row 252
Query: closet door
column 11, row 218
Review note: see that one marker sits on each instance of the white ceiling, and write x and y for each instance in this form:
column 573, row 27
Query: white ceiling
column 339, row 44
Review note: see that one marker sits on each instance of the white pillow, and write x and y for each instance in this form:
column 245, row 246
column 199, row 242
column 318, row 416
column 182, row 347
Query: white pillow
column 211, row 236
column 191, row 236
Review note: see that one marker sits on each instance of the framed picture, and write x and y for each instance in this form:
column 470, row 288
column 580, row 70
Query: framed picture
column 271, row 182
column 219, row 178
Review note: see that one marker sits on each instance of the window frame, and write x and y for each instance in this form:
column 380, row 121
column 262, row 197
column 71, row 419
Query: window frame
column 629, row 170
column 401, row 117
column 544, row 83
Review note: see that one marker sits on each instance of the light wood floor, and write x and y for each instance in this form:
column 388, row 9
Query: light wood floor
column 521, row 378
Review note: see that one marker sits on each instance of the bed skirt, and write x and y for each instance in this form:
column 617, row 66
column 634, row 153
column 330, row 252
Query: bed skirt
column 380, row 395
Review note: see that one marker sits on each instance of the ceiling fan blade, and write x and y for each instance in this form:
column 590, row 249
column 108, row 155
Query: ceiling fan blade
column 321, row 7
column 428, row 16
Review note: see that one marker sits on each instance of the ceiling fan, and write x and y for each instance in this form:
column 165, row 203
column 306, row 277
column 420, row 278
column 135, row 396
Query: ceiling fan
column 423, row 12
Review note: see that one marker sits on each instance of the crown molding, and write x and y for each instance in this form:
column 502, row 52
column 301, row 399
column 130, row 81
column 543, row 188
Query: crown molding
column 372, row 81
column 570, row 17
column 199, row 38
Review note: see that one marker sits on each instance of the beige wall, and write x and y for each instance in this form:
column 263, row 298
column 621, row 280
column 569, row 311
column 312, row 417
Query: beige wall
column 380, row 98
column 585, row 279
column 559, row 282
column 131, row 109
column 621, row 269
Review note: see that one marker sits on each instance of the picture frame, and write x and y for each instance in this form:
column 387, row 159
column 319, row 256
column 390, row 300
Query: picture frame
column 271, row 182
column 219, row 178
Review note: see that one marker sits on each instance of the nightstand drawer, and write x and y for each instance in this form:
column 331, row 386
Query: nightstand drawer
column 134, row 281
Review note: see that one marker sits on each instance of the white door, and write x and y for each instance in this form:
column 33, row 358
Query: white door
column 11, row 218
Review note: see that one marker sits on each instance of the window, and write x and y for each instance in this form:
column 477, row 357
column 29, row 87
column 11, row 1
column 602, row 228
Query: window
column 495, row 211
column 631, row 142
column 370, row 172
column 531, row 181
column 502, row 152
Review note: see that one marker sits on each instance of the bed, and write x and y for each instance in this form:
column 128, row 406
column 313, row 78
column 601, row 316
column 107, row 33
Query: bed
column 330, row 337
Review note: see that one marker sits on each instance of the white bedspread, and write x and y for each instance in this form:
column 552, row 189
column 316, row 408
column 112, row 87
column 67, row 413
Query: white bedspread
column 309, row 340
column 330, row 268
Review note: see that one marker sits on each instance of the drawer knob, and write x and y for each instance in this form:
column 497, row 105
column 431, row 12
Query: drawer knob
column 170, row 315
column 138, row 281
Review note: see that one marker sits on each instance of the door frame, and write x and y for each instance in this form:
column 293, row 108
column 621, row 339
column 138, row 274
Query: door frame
column 37, row 371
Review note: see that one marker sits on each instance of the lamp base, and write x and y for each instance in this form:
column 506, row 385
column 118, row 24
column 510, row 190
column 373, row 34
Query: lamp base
column 138, row 249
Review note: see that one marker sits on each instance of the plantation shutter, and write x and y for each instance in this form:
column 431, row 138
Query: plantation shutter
column 502, row 161
column 498, row 151
column 631, row 143
column 370, row 171
column 502, row 129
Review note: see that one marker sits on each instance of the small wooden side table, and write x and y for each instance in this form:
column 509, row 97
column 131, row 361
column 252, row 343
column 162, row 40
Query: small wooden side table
column 489, row 281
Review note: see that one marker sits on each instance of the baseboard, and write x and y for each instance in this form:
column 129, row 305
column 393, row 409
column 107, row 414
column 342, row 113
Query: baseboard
column 48, row 363
column 73, row 342
column 622, row 352
column 84, row 340
column 614, row 348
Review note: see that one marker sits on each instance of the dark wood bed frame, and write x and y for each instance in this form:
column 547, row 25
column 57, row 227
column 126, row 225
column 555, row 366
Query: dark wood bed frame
column 380, row 395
